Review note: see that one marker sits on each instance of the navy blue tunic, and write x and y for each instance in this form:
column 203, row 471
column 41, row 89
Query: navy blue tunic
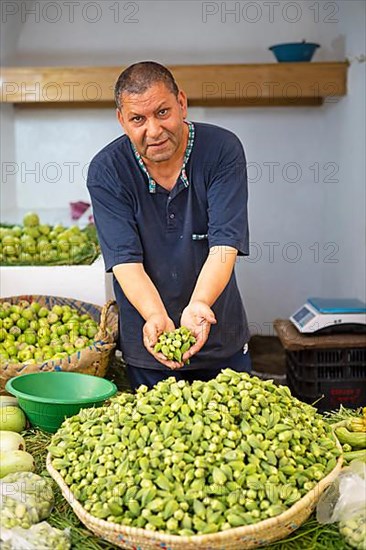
column 171, row 234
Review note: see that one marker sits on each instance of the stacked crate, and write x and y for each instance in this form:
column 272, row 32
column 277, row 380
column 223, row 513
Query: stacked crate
column 328, row 370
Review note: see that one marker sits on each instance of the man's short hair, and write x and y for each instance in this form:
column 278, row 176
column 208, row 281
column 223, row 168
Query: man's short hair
column 139, row 77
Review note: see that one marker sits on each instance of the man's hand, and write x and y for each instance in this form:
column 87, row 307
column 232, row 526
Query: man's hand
column 155, row 325
column 198, row 318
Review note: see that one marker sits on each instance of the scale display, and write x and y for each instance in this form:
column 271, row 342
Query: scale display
column 330, row 314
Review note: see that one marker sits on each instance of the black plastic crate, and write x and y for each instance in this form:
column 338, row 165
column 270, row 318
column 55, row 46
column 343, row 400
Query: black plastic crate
column 337, row 374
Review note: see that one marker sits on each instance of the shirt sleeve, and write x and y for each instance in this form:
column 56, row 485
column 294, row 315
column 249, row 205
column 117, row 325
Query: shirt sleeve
column 227, row 195
column 114, row 218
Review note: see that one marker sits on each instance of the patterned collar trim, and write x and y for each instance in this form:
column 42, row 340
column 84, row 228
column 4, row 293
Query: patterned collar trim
column 183, row 174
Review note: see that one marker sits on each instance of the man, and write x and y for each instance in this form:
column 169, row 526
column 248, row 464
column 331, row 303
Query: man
column 169, row 200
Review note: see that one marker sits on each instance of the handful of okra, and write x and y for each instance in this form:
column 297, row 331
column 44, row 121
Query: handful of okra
column 175, row 344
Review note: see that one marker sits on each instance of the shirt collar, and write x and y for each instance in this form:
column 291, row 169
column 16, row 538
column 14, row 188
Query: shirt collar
column 183, row 173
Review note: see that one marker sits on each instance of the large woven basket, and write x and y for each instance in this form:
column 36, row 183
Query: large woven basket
column 93, row 359
column 250, row 536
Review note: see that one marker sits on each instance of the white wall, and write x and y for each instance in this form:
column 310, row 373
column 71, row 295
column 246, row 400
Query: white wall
column 110, row 32
column 293, row 224
column 11, row 26
column 54, row 170
column 346, row 214
column 8, row 188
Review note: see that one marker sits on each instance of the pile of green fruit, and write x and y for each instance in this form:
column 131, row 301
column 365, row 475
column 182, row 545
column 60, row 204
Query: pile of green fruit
column 354, row 530
column 352, row 434
column 34, row 243
column 27, row 498
column 197, row 458
column 173, row 345
column 40, row 535
column 31, row 333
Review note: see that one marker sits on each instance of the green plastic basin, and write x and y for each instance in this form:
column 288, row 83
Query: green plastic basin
column 47, row 398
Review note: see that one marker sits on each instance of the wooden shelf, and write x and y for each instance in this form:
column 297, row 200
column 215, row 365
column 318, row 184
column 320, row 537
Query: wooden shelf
column 255, row 85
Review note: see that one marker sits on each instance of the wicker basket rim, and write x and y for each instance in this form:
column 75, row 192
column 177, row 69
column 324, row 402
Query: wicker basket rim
column 224, row 536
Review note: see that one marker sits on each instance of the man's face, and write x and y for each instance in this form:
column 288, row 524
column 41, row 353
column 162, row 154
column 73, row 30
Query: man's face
column 153, row 121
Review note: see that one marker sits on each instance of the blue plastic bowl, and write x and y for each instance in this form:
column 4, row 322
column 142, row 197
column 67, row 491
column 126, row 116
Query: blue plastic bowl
column 294, row 51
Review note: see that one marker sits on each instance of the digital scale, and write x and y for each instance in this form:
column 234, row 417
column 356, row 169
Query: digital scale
column 331, row 315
